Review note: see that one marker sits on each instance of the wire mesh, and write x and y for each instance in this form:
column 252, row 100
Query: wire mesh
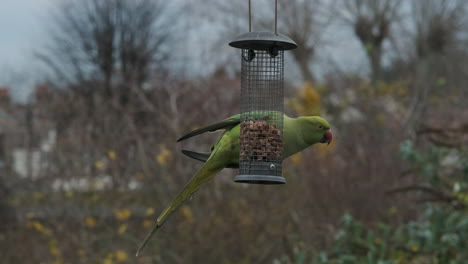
column 262, row 93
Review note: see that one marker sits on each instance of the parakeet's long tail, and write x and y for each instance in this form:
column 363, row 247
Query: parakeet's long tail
column 197, row 155
column 201, row 177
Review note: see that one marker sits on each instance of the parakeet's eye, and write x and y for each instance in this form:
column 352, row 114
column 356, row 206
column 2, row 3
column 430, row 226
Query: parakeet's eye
column 320, row 126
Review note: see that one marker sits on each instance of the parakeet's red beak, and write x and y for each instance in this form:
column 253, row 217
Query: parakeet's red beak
column 327, row 138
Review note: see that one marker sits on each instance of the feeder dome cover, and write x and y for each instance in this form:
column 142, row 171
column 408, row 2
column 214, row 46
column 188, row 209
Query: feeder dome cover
column 263, row 41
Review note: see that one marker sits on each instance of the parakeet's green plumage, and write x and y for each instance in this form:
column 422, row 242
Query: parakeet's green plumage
column 299, row 133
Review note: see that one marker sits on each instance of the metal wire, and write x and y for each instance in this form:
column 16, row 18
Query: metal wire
column 276, row 16
column 250, row 17
column 262, row 106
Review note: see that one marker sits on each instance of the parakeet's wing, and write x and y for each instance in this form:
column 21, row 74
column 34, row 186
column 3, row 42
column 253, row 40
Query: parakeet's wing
column 224, row 124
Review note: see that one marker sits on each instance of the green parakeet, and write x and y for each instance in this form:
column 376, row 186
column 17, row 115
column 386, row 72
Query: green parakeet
column 299, row 133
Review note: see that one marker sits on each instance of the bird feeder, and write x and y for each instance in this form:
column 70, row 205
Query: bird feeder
column 262, row 104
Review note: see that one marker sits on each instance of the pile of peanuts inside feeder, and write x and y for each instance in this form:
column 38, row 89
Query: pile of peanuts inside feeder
column 260, row 141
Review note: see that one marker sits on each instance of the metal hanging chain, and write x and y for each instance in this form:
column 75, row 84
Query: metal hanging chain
column 276, row 16
column 250, row 18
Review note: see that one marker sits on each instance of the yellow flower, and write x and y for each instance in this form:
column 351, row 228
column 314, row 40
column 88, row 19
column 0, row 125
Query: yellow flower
column 187, row 213
column 380, row 119
column 149, row 211
column 377, row 241
column 54, row 251
column 121, row 256
column 111, row 154
column 38, row 195
column 147, row 223
column 122, row 228
column 307, row 101
column 109, row 259
column 53, row 248
column 90, row 221
column 140, row 175
column 414, row 249
column 463, row 197
column 40, row 228
column 69, row 194
column 123, row 214
column 99, row 165
column 14, row 201
column 95, row 197
column 30, row 215
column 81, row 253
column 441, row 81
column 163, row 157
column 296, row 159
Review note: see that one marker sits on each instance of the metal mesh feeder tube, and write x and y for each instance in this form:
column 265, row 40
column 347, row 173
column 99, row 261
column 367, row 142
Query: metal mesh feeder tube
column 262, row 106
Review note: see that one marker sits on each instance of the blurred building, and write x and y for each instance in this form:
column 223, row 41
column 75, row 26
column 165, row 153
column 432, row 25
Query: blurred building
column 7, row 126
column 26, row 134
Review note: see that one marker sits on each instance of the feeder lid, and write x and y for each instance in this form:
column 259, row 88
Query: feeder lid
column 263, row 41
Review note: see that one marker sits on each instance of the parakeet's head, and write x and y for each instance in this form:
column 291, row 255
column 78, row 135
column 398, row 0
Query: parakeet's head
column 315, row 130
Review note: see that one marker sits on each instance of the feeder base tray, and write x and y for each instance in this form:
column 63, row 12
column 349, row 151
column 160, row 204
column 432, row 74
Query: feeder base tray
column 260, row 179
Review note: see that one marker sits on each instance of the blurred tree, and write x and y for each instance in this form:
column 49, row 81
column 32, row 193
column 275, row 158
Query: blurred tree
column 109, row 42
column 437, row 25
column 106, row 56
column 371, row 21
column 437, row 53
column 305, row 23
column 7, row 212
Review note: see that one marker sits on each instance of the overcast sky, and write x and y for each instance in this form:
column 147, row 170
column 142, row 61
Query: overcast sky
column 23, row 29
